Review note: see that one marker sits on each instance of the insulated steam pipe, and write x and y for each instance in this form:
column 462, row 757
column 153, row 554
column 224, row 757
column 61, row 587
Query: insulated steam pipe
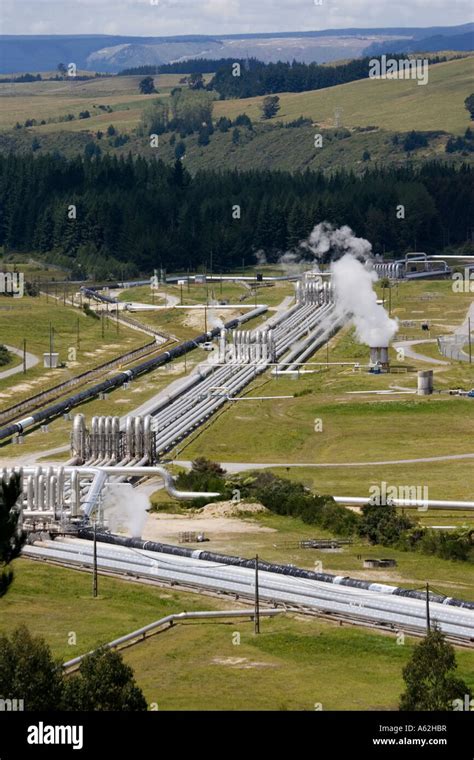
column 100, row 474
column 117, row 380
column 290, row 570
column 170, row 619
column 360, row 501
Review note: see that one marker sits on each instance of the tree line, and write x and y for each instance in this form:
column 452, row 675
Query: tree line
column 380, row 524
column 249, row 77
column 108, row 214
column 192, row 66
column 257, row 78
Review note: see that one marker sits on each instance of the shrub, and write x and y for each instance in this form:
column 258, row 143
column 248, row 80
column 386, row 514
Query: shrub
column 414, row 140
column 89, row 312
column 382, row 524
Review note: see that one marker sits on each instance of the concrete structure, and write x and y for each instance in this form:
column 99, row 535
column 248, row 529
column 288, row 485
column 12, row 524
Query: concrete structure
column 425, row 382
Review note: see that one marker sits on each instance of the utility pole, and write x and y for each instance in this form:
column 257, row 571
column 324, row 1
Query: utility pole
column 102, row 321
column 24, row 356
column 78, row 338
column 470, row 342
column 205, row 319
column 257, row 599
column 94, row 573
column 51, row 345
column 389, row 300
column 428, row 622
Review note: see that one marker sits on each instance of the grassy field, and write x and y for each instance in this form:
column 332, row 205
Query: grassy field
column 118, row 402
column 30, row 318
column 294, row 664
column 33, row 270
column 373, row 111
column 212, row 293
column 49, row 99
column 392, row 104
column 284, row 430
column 451, row 479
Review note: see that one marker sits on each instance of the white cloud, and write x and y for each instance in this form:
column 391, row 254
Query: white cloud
column 140, row 17
column 222, row 8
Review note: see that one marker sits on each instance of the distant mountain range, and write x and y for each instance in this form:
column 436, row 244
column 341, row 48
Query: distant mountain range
column 111, row 53
column 458, row 42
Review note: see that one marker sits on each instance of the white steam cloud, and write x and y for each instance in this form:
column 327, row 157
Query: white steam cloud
column 326, row 239
column 291, row 263
column 353, row 287
column 353, row 281
column 125, row 508
column 215, row 321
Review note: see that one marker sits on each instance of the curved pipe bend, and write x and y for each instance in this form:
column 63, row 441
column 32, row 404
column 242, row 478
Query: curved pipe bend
column 101, row 474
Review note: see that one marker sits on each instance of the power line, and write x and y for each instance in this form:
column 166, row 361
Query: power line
column 257, row 598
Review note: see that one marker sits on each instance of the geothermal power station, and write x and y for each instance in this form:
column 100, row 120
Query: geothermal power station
column 61, row 503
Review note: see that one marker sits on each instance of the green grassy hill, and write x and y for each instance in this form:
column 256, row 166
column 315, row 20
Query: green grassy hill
column 392, row 104
column 51, row 99
column 371, row 111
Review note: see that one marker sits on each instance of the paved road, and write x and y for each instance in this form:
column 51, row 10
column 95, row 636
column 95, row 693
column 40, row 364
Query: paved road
column 42, row 456
column 463, row 329
column 31, row 361
column 240, row 466
column 406, row 345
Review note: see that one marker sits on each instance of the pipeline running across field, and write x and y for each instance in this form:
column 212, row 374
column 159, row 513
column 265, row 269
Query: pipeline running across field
column 117, row 380
column 225, row 559
column 319, row 593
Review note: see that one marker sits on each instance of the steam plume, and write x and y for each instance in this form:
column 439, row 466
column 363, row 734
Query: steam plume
column 353, row 281
column 125, row 508
column 355, row 295
column 326, row 239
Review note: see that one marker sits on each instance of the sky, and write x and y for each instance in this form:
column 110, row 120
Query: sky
column 165, row 17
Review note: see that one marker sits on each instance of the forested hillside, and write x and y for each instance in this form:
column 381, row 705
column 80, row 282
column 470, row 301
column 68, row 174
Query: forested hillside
column 108, row 214
column 257, row 78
